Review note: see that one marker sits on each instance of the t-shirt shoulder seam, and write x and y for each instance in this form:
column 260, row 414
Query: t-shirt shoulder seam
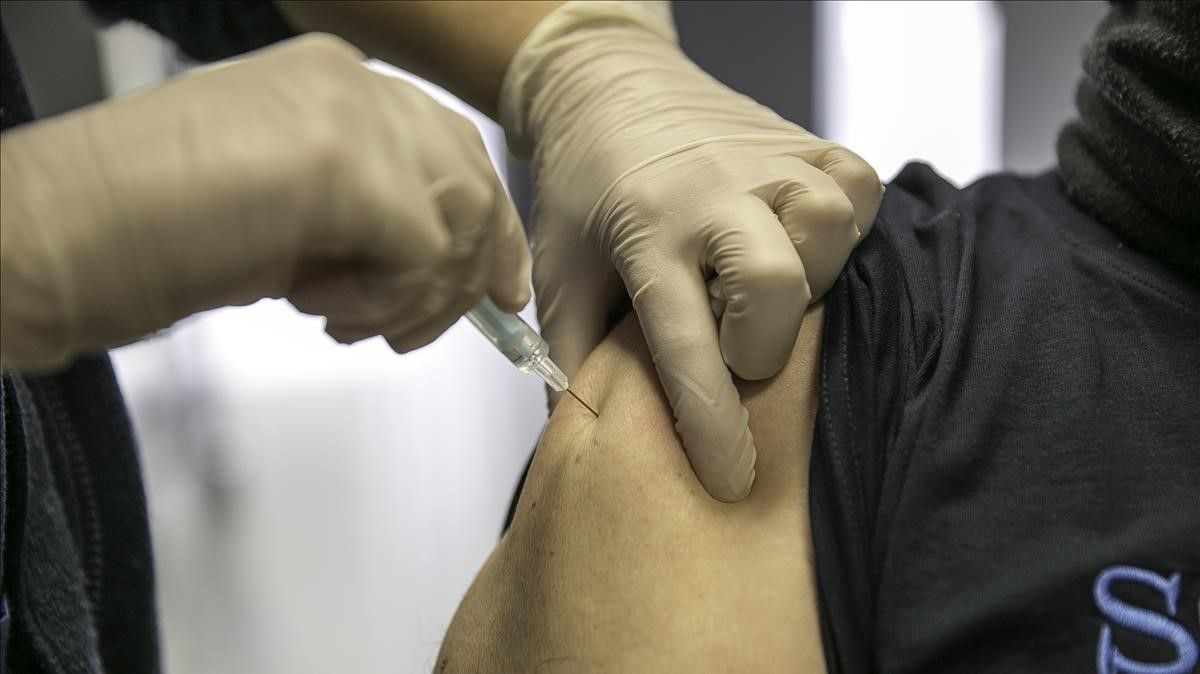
column 1114, row 264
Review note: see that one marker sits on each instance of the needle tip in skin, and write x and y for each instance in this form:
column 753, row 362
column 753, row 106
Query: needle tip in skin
column 589, row 407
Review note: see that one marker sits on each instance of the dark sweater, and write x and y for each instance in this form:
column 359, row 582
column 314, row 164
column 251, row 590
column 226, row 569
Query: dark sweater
column 1132, row 158
column 76, row 569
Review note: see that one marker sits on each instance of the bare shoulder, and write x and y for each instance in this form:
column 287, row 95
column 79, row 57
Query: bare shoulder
column 619, row 561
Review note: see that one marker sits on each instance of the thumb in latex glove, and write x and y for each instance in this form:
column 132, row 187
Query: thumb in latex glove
column 652, row 175
column 295, row 173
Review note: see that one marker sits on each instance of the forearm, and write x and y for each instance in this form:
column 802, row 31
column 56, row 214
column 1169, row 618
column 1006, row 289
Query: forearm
column 463, row 46
column 35, row 206
column 110, row 225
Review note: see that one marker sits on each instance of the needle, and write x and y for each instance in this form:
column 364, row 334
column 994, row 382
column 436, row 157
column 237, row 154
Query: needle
column 521, row 345
column 589, row 407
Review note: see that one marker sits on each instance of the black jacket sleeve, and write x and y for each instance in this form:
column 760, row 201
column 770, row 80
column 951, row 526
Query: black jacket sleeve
column 205, row 31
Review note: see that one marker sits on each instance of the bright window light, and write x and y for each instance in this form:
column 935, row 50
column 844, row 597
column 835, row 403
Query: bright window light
column 897, row 81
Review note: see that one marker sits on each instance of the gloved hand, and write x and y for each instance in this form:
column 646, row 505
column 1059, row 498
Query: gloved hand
column 650, row 173
column 296, row 173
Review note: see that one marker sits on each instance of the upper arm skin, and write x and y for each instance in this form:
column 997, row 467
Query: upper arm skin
column 618, row 560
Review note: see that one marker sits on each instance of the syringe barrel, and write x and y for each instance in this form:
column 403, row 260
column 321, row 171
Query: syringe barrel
column 512, row 336
column 519, row 343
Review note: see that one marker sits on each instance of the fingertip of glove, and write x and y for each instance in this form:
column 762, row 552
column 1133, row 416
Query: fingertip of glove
column 736, row 495
column 759, row 366
column 735, row 485
column 758, row 350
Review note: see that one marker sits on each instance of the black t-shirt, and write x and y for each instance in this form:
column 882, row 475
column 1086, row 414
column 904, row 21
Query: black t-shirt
column 1006, row 467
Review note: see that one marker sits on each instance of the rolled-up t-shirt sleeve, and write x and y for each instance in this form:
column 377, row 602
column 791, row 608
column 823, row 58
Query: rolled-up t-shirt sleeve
column 883, row 327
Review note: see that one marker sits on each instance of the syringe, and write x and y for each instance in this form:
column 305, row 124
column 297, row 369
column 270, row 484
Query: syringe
column 520, row 344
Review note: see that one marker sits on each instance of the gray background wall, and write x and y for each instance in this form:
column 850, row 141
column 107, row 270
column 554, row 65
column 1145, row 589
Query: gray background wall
column 1043, row 50
column 762, row 49
column 55, row 44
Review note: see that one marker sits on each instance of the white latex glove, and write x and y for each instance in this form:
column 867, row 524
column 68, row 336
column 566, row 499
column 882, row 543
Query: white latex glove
column 651, row 173
column 295, row 173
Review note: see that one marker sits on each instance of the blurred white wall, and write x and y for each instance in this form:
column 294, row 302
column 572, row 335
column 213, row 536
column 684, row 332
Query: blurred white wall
column 320, row 508
column 898, row 81
column 970, row 87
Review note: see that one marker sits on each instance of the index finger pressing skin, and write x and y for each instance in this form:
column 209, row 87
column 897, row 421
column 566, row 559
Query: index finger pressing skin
column 673, row 306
